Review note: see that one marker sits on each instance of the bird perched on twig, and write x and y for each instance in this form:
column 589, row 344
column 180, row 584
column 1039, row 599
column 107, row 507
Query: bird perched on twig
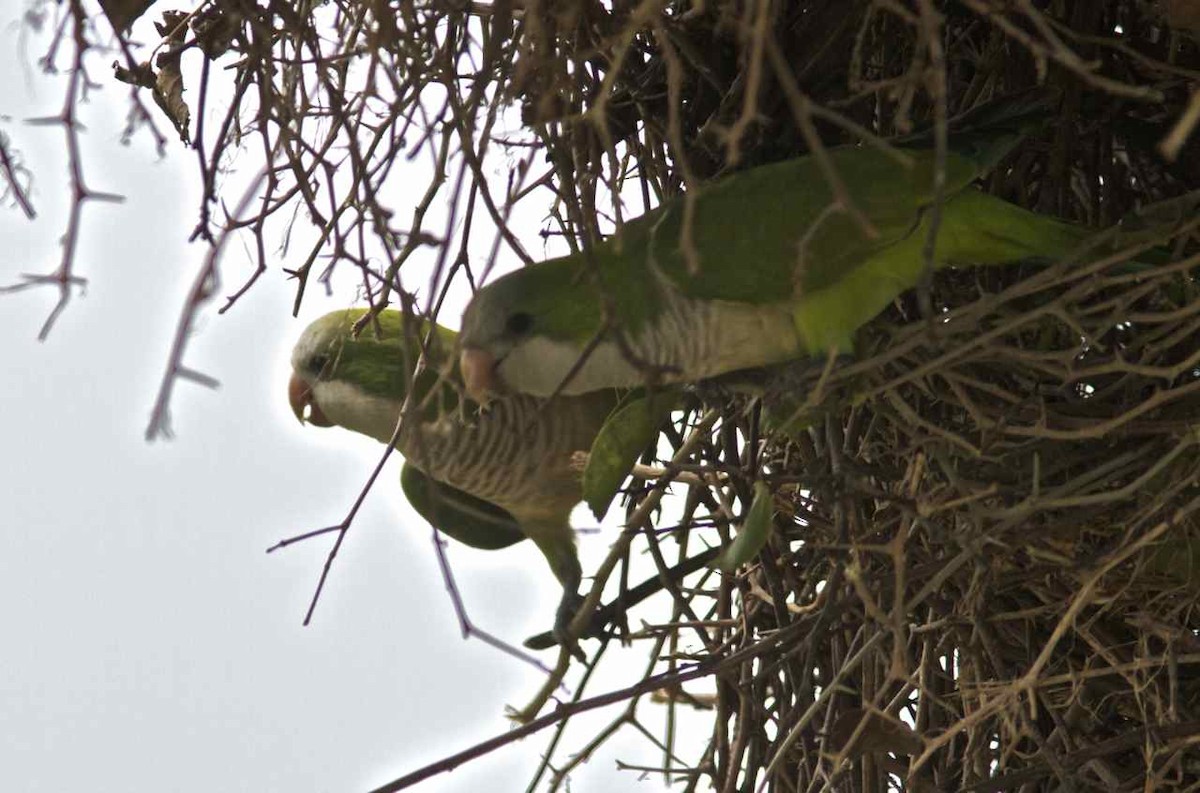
column 486, row 477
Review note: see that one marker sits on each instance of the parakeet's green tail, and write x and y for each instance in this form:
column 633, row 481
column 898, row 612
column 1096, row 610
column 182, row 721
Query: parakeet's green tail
column 975, row 229
column 980, row 229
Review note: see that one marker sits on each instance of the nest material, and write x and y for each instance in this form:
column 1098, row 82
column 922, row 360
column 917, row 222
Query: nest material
column 987, row 549
column 985, row 567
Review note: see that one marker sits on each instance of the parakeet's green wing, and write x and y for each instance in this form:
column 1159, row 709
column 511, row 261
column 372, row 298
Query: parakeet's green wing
column 470, row 520
column 759, row 232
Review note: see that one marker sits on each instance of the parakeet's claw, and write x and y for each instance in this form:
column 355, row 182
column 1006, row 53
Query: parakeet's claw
column 567, row 608
column 613, row 613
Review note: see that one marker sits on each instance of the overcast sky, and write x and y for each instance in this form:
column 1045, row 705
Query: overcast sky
column 149, row 642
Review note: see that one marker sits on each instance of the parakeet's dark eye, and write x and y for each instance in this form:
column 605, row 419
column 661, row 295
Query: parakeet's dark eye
column 317, row 363
column 520, row 323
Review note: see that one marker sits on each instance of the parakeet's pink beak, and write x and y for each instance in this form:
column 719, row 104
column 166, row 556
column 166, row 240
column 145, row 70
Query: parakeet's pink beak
column 300, row 396
column 479, row 374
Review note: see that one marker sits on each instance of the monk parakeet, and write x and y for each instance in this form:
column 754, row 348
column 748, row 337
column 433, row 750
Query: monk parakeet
column 770, row 270
column 486, row 477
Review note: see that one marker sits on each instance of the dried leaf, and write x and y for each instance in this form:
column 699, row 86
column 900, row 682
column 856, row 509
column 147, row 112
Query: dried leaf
column 123, row 13
column 141, row 75
column 215, row 28
column 881, row 733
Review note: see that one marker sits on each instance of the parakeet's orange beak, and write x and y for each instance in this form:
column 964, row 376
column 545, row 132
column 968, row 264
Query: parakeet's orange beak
column 479, row 374
column 303, row 405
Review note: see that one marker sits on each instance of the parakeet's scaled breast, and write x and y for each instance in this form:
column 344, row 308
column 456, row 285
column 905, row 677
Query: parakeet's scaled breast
column 516, row 452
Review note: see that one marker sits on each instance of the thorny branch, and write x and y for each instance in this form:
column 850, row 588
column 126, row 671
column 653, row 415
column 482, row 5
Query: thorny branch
column 985, row 524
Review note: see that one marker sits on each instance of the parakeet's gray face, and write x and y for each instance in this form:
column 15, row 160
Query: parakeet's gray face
column 319, row 392
column 512, row 345
column 536, row 364
column 527, row 331
column 490, row 334
column 311, row 357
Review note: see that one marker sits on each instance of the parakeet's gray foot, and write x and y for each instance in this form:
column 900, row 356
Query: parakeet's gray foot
column 613, row 613
column 567, row 610
column 568, row 607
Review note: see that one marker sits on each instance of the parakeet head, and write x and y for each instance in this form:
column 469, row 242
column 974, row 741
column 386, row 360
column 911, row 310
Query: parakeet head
column 360, row 382
column 528, row 331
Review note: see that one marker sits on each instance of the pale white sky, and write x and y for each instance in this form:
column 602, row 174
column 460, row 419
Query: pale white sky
column 149, row 642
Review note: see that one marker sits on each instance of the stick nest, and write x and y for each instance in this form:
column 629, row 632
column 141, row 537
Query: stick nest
column 985, row 561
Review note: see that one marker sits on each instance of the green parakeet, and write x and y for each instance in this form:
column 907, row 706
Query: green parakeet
column 778, row 272
column 486, row 477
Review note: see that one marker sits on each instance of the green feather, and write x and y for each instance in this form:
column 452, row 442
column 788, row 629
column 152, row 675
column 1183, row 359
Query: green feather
column 472, row 521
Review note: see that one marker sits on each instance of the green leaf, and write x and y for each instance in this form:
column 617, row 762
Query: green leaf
column 756, row 528
column 630, row 428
